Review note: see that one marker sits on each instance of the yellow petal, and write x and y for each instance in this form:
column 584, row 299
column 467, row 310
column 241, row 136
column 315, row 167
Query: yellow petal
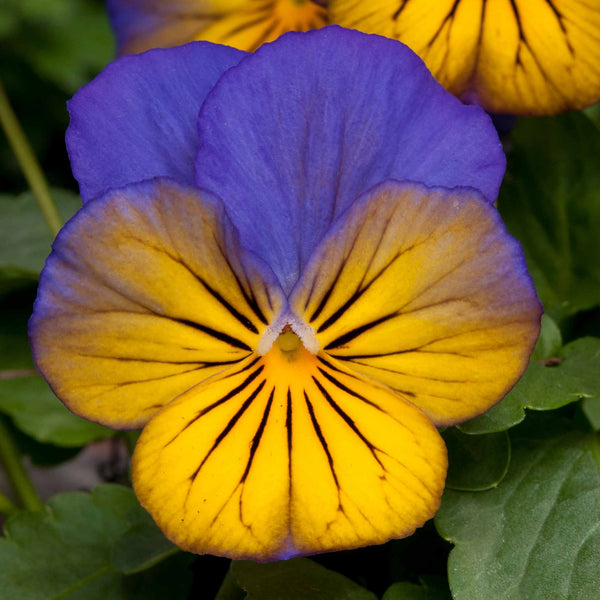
column 146, row 294
column 288, row 454
column 531, row 57
column 244, row 25
column 423, row 290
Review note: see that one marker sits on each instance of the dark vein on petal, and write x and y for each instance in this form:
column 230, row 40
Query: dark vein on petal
column 257, row 436
column 348, row 391
column 288, row 427
column 322, row 439
column 354, row 333
column 348, row 421
column 222, row 400
column 230, row 425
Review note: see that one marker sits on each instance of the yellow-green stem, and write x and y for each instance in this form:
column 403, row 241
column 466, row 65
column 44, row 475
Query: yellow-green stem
column 15, row 471
column 28, row 162
column 6, row 505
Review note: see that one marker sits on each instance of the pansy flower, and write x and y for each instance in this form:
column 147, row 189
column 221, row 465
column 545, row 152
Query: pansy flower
column 520, row 57
column 288, row 270
column 245, row 24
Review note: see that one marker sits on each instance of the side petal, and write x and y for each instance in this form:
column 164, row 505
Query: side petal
column 146, row 293
column 522, row 57
column 424, row 290
column 300, row 128
column 137, row 119
column 287, row 455
column 245, row 24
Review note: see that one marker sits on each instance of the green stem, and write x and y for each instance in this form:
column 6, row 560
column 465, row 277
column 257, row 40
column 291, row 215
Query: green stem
column 16, row 473
column 6, row 505
column 29, row 164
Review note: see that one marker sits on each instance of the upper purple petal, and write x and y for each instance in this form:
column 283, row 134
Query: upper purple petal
column 137, row 119
column 298, row 130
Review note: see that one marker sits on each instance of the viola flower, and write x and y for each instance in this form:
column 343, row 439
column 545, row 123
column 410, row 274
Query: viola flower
column 288, row 295
column 519, row 57
column 245, row 24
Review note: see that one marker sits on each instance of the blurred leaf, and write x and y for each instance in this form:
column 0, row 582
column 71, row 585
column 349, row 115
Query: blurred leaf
column 550, row 341
column 26, row 397
column 535, row 536
column 593, row 112
column 476, row 462
column 41, row 455
column 64, row 551
column 142, row 546
column 66, row 42
column 38, row 412
column 411, row 591
column 550, row 201
column 572, row 374
column 591, row 409
column 26, row 241
column 302, row 579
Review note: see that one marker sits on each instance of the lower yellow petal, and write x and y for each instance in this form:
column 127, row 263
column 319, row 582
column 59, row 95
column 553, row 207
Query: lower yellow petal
column 288, row 454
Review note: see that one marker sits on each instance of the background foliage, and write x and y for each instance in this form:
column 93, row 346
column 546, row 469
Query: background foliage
column 521, row 514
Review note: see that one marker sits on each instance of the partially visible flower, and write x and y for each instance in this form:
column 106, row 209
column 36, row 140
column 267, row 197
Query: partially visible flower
column 290, row 330
column 245, row 24
column 520, row 57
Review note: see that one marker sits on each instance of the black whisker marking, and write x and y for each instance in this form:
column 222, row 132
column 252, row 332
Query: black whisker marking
column 258, row 436
column 230, row 425
column 354, row 333
column 322, row 439
column 346, row 389
column 348, row 421
column 225, row 398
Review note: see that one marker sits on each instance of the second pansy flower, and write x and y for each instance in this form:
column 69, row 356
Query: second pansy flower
column 289, row 296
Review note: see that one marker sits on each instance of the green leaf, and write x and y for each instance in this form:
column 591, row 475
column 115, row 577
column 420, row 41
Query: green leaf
column 571, row 375
column 26, row 397
column 302, row 579
column 476, row 462
column 550, row 341
column 46, row 33
column 591, row 409
column 411, row 591
column 65, row 551
column 36, row 411
column 550, row 201
column 142, row 546
column 593, row 112
column 537, row 535
column 25, row 241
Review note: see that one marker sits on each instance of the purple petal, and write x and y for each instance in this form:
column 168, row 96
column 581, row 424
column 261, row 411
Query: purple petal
column 302, row 127
column 137, row 119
